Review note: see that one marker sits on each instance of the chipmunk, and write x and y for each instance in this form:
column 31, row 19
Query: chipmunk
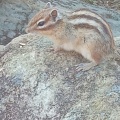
column 82, row 31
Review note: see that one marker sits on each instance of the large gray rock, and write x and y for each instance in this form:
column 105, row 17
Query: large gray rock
column 38, row 84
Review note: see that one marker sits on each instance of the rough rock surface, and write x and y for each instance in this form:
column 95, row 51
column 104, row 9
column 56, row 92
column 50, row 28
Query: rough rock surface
column 14, row 15
column 38, row 84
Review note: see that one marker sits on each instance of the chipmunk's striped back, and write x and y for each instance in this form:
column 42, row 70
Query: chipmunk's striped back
column 85, row 18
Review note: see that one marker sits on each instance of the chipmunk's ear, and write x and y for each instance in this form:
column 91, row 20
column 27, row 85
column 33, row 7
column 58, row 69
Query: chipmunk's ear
column 54, row 13
column 48, row 5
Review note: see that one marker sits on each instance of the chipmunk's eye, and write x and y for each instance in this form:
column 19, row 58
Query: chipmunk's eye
column 41, row 23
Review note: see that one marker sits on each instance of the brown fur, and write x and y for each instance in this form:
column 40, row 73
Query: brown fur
column 87, row 26
column 106, row 31
column 106, row 24
column 83, row 38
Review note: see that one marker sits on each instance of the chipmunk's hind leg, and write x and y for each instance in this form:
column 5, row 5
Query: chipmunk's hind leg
column 85, row 66
column 90, row 53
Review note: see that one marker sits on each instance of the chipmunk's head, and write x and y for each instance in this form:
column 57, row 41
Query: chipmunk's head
column 44, row 21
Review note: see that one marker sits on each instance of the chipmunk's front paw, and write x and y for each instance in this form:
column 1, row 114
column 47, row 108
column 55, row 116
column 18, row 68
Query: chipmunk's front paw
column 85, row 66
column 56, row 49
column 53, row 49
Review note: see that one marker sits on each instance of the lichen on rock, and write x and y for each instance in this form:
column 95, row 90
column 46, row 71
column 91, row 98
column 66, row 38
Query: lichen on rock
column 39, row 84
